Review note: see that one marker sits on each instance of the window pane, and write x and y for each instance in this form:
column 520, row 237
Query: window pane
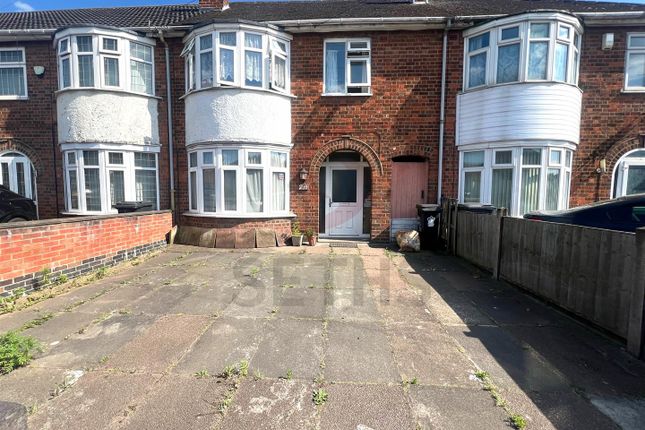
column 567, row 184
column 253, row 68
column 92, row 190
column 556, row 157
column 227, row 65
column 561, row 60
column 10, row 56
column 344, row 186
column 145, row 182
column 208, row 181
column 472, row 187
column 117, row 187
column 564, row 32
column 73, row 188
column 65, row 71
column 335, row 67
column 111, row 69
column 502, row 187
column 141, row 77
column 71, row 158
column 63, row 46
column 540, row 30
column 206, row 69
column 568, row 158
column 230, row 190
column 478, row 42
column 532, row 157
column 477, row 70
column 254, row 194
column 115, row 157
column 193, row 191
column 358, row 72
column 538, row 54
column 193, row 159
column 229, row 157
column 84, row 43
column 280, row 71
column 5, row 174
column 110, row 44
column 279, row 191
column 228, row 39
column 254, row 158
column 252, row 40
column 637, row 41
column 91, row 158
column 636, row 70
column 474, row 159
column 140, row 51
column 575, row 67
column 86, row 70
column 508, row 63
column 510, row 33
column 207, row 158
column 635, row 180
column 205, row 42
column 503, row 157
column 552, row 189
column 20, row 178
column 530, row 192
column 278, row 159
column 145, row 159
column 12, row 81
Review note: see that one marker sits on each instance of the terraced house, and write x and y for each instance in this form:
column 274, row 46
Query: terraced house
column 344, row 114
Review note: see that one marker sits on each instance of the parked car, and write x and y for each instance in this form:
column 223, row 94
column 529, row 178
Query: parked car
column 16, row 208
column 623, row 214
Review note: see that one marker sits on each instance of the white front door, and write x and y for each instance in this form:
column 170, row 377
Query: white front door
column 344, row 213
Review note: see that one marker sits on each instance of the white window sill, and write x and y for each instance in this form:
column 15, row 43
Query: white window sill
column 109, row 90
column 237, row 87
column 67, row 213
column 239, row 215
column 633, row 91
column 14, row 98
column 347, row 95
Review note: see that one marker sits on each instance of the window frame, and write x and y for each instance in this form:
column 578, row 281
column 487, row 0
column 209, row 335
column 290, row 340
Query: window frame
column 469, row 54
column 621, row 172
column 15, row 65
column 629, row 51
column 501, row 43
column 348, row 60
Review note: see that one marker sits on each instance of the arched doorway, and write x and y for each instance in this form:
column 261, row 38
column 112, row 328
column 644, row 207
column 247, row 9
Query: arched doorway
column 629, row 174
column 18, row 174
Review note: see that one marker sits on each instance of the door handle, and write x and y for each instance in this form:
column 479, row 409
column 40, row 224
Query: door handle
column 422, row 194
column 330, row 202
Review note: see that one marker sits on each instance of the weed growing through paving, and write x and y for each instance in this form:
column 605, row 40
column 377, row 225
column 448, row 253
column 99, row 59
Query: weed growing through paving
column 228, row 372
column 255, row 272
column 257, row 375
column 289, row 375
column 320, row 396
column 16, row 350
column 8, row 303
column 101, row 272
column 243, row 368
column 517, row 421
column 104, row 359
column 201, row 374
column 407, row 382
column 37, row 321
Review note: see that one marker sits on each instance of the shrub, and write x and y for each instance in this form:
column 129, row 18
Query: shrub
column 16, row 350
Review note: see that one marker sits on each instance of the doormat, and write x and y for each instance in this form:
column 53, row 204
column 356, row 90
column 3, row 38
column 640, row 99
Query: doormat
column 343, row 245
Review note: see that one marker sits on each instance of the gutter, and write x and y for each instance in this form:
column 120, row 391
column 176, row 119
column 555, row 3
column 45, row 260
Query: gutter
column 442, row 109
column 171, row 162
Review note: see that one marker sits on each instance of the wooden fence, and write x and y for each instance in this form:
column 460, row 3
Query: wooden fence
column 596, row 274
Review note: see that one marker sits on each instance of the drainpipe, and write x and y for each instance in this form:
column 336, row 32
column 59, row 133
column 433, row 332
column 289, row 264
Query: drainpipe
column 171, row 161
column 442, row 110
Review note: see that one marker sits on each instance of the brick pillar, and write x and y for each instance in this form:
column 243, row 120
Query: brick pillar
column 217, row 4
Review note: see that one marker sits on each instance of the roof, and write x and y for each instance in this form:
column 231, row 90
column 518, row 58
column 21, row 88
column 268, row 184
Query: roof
column 172, row 15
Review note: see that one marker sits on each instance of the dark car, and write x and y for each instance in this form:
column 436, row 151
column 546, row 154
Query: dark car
column 623, row 214
column 16, row 208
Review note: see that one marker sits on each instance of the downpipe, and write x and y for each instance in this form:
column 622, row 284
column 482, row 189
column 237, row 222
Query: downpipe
column 171, row 161
column 442, row 110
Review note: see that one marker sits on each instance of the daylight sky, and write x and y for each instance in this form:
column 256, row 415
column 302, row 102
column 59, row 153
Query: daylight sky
column 27, row 5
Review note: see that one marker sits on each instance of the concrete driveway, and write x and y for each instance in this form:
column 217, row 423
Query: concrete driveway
column 198, row 338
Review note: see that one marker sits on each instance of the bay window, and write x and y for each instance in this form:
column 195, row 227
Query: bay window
column 97, row 179
column 635, row 62
column 523, row 49
column 91, row 58
column 245, row 181
column 629, row 177
column 347, row 67
column 240, row 56
column 520, row 179
column 13, row 73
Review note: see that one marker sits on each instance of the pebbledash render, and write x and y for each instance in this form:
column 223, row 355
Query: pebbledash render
column 341, row 115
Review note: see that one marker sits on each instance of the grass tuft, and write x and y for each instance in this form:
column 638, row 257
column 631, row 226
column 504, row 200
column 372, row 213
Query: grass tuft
column 518, row 421
column 16, row 350
column 320, row 396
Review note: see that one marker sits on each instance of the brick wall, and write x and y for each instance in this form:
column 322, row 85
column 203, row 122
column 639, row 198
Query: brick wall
column 73, row 246
column 611, row 120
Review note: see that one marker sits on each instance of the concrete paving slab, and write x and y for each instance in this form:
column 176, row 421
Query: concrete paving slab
column 59, row 327
column 15, row 320
column 98, row 400
column 444, row 408
column 244, row 239
column 178, row 402
column 161, row 345
column 207, row 300
column 225, row 239
column 354, row 406
column 354, row 304
column 453, row 308
column 13, row 416
column 304, row 302
column 226, row 342
column 359, row 352
column 254, row 302
column 272, row 404
column 295, row 345
column 119, row 298
column 402, row 305
column 29, row 385
column 160, row 300
column 265, row 238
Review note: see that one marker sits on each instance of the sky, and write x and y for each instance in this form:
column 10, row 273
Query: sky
column 28, row 5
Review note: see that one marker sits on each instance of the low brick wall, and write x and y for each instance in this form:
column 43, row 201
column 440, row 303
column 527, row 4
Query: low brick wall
column 75, row 246
column 239, row 226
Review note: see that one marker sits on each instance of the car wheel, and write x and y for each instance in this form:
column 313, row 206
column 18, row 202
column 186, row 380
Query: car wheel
column 18, row 219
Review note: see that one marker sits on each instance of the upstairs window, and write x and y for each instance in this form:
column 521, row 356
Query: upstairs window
column 141, row 68
column 635, row 62
column 347, row 68
column 13, row 74
column 478, row 48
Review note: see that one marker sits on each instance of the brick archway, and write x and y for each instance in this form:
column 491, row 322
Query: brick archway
column 345, row 143
column 17, row 146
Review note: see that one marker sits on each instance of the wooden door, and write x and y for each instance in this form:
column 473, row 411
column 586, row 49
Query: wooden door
column 409, row 188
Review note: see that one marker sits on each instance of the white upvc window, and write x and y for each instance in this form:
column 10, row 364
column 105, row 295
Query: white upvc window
column 17, row 174
column 243, row 181
column 97, row 179
column 509, row 54
column 347, row 67
column 629, row 176
column 279, row 69
column 253, row 60
column 635, row 62
column 13, row 74
column 520, row 179
column 89, row 58
column 477, row 60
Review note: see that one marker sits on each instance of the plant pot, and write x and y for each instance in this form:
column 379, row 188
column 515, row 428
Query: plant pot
column 296, row 240
column 313, row 240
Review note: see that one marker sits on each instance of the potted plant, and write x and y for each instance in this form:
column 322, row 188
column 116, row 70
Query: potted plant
column 311, row 237
column 296, row 234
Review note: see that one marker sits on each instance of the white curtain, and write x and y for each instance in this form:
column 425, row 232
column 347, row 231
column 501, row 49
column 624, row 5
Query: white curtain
column 254, row 190
column 502, row 187
column 529, row 199
column 552, row 189
column 335, row 68
column 279, row 191
column 226, row 65
column 253, row 62
column 230, row 190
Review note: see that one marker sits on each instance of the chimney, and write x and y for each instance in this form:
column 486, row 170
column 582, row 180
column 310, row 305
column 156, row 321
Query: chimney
column 216, row 4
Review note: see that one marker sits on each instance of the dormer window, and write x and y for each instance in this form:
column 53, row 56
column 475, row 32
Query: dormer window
column 242, row 56
column 104, row 59
column 522, row 49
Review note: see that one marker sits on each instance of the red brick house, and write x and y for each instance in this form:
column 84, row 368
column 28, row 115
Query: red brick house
column 344, row 114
